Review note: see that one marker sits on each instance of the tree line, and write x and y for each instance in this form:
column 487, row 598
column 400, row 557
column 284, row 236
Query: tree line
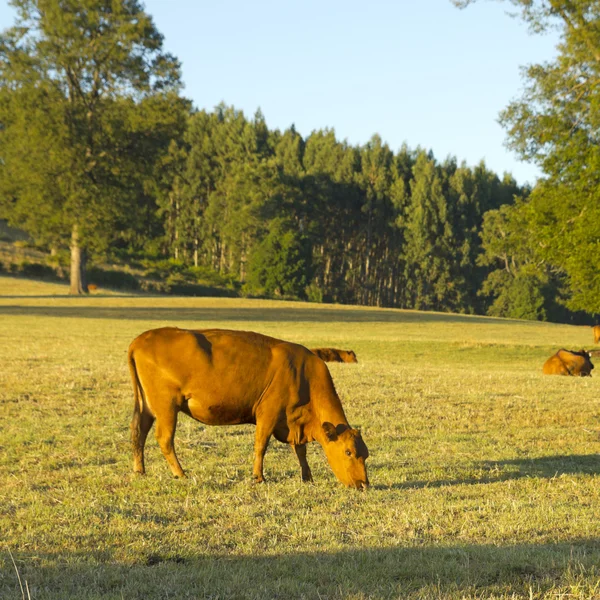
column 101, row 154
column 320, row 218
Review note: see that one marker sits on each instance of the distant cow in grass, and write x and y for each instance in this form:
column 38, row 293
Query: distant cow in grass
column 569, row 362
column 221, row 377
column 596, row 332
column 335, row 355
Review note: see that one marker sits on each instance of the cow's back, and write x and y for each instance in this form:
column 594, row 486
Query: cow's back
column 335, row 355
column 218, row 376
column 554, row 366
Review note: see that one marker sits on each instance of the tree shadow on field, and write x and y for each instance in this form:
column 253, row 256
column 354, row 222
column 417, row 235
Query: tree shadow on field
column 265, row 313
column 68, row 297
column 400, row 571
column 545, row 467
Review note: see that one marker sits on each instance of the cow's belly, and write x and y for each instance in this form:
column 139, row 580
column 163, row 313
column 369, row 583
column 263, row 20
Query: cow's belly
column 213, row 411
column 225, row 395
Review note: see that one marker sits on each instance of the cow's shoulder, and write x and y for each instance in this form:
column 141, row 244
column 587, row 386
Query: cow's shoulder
column 292, row 353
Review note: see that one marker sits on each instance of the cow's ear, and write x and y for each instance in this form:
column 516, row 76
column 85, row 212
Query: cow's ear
column 330, row 431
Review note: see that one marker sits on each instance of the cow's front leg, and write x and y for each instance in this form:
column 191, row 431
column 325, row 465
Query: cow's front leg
column 300, row 451
column 264, row 429
column 261, row 441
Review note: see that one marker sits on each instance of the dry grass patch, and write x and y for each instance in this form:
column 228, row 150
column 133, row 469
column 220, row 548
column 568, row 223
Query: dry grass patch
column 485, row 474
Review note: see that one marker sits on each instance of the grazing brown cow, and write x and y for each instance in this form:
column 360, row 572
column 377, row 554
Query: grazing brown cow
column 569, row 362
column 596, row 332
column 335, row 355
column 222, row 377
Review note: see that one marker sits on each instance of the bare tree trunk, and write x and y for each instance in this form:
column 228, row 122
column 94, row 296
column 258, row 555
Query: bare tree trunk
column 243, row 259
column 222, row 258
column 78, row 261
column 326, row 273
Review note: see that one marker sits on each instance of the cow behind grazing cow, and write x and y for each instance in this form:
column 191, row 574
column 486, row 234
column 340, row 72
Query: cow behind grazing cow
column 596, row 332
column 222, row 377
column 569, row 362
column 335, row 355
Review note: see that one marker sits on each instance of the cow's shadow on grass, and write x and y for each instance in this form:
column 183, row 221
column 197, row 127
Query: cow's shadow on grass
column 388, row 572
column 504, row 470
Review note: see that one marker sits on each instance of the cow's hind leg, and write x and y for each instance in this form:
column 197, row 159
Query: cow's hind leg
column 140, row 426
column 300, row 451
column 165, row 434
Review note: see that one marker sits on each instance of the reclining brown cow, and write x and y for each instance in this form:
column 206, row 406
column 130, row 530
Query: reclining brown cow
column 222, row 377
column 569, row 362
column 335, row 355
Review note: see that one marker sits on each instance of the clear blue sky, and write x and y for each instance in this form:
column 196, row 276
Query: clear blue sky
column 415, row 71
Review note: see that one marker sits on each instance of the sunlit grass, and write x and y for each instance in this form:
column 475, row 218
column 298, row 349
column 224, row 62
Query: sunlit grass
column 485, row 473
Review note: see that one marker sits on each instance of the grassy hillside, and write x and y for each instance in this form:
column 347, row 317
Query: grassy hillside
column 485, row 474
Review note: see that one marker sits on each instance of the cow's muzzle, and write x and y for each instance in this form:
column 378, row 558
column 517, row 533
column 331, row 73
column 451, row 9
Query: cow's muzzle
column 361, row 485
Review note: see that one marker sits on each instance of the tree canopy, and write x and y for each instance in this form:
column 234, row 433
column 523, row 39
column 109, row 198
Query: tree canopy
column 358, row 224
column 556, row 124
column 88, row 100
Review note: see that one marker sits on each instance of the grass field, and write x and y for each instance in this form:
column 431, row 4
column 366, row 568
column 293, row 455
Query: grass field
column 485, row 474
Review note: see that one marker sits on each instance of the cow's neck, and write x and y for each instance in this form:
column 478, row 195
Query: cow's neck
column 324, row 407
column 321, row 410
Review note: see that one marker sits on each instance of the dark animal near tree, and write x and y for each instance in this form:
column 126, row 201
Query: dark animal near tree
column 596, row 332
column 335, row 355
column 569, row 362
column 222, row 377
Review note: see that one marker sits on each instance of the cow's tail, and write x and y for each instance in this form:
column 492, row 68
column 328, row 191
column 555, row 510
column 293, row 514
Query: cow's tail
column 138, row 393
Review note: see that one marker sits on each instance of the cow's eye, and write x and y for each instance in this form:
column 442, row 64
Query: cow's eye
column 348, row 453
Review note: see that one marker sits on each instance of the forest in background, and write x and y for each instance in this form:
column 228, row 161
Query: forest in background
column 103, row 159
column 317, row 218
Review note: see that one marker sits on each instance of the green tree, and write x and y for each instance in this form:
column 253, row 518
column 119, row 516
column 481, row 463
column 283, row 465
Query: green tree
column 471, row 192
column 281, row 263
column 374, row 180
column 556, row 124
column 519, row 279
column 86, row 97
column 334, row 199
column 245, row 179
column 519, row 297
column 431, row 281
column 521, row 283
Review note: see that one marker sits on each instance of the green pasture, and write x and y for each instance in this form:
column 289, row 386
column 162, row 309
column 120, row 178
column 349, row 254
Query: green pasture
column 485, row 474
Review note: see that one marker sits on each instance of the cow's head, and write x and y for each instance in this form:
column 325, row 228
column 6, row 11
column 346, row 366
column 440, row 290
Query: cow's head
column 352, row 356
column 586, row 368
column 346, row 453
